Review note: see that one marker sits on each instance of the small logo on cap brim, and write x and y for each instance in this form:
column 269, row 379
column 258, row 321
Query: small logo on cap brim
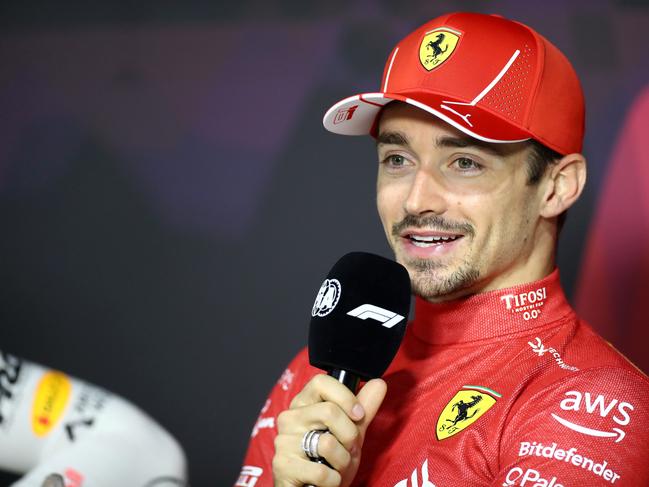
column 344, row 114
column 437, row 46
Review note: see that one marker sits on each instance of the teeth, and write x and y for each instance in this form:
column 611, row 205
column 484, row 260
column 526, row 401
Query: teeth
column 422, row 238
column 424, row 244
column 428, row 241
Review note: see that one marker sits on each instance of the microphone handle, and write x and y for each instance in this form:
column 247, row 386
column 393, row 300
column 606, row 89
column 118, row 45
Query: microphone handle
column 346, row 378
column 351, row 381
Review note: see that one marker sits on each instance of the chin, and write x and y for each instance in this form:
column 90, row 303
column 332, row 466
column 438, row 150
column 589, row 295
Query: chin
column 440, row 286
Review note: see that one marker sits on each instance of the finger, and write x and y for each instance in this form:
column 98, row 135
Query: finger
column 325, row 388
column 333, row 451
column 328, row 447
column 371, row 397
column 322, row 415
column 291, row 469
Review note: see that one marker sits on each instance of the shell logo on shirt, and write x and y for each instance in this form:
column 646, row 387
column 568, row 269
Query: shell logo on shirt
column 464, row 409
column 50, row 400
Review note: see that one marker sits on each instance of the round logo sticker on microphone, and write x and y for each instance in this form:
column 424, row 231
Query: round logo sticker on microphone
column 327, row 298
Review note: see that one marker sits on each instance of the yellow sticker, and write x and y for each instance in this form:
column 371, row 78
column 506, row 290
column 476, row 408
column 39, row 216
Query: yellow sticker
column 437, row 46
column 464, row 409
column 52, row 395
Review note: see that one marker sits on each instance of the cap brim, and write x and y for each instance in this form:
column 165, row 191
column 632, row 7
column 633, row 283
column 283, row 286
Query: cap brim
column 357, row 114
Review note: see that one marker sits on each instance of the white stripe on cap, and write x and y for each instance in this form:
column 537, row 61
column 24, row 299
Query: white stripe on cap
column 490, row 86
column 455, row 124
column 387, row 76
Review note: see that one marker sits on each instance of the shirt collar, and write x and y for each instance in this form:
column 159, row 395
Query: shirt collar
column 491, row 314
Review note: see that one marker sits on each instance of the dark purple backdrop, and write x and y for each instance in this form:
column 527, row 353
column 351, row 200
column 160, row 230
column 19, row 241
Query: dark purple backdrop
column 170, row 201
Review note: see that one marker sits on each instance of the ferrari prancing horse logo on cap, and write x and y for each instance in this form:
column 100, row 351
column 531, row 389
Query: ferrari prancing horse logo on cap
column 437, row 46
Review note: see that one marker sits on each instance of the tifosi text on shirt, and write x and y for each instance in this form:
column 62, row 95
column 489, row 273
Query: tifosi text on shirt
column 526, row 302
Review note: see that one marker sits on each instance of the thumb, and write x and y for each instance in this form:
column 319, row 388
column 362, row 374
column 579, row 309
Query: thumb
column 371, row 396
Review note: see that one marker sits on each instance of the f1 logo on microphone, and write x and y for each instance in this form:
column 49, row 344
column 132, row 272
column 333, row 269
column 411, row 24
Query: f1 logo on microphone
column 365, row 311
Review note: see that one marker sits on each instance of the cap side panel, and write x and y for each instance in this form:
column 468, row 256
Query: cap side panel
column 538, row 76
column 557, row 117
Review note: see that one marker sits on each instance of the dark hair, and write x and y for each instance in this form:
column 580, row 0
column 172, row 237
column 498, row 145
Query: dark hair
column 540, row 158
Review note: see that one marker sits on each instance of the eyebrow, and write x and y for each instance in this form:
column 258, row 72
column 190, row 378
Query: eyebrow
column 392, row 138
column 464, row 142
column 445, row 141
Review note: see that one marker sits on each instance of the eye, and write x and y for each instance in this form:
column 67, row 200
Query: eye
column 395, row 160
column 466, row 164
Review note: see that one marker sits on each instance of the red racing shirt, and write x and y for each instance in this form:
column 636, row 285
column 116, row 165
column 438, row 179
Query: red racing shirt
column 505, row 388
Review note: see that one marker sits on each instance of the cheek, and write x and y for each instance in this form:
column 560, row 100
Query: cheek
column 388, row 203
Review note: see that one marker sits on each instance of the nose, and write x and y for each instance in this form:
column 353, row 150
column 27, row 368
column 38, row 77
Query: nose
column 426, row 195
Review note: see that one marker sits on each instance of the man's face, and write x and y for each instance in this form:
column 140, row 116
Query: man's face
column 457, row 212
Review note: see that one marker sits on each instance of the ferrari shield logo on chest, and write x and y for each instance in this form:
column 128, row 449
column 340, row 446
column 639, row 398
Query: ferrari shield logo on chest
column 437, row 46
column 464, row 409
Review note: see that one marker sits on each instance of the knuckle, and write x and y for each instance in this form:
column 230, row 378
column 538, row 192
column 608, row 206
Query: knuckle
column 345, row 460
column 349, row 437
column 354, row 435
column 283, row 419
column 297, row 402
column 329, row 411
column 278, row 464
column 328, row 445
column 325, row 445
column 318, row 380
column 277, row 443
column 321, row 475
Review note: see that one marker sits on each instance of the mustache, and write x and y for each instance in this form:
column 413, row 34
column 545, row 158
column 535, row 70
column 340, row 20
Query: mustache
column 432, row 222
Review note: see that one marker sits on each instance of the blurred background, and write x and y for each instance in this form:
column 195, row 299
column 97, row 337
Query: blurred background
column 170, row 203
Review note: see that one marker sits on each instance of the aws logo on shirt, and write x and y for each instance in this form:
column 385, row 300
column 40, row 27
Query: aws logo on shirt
column 594, row 405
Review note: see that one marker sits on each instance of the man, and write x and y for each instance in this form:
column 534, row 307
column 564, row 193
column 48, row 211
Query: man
column 479, row 127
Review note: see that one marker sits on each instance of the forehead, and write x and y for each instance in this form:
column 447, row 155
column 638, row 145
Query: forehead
column 398, row 122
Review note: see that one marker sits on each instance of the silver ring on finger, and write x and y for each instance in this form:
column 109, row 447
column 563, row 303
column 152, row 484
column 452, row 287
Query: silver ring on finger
column 310, row 443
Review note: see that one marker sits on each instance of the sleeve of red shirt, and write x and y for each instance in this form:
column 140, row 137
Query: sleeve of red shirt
column 588, row 429
column 256, row 470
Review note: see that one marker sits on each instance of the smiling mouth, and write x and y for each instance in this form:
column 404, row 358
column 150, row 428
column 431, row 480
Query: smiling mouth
column 431, row 241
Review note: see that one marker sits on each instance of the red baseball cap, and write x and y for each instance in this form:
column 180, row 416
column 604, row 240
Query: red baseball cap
column 492, row 78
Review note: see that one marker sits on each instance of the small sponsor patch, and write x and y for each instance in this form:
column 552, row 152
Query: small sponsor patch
column 51, row 398
column 73, row 478
column 437, row 46
column 286, row 379
column 425, row 482
column 86, row 411
column 249, row 476
column 578, row 409
column 568, row 456
column 10, row 376
column 528, row 304
column 530, row 477
column 344, row 114
column 540, row 349
column 327, row 298
column 464, row 409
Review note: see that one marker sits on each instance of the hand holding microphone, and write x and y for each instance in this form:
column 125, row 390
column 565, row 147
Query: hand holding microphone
column 358, row 321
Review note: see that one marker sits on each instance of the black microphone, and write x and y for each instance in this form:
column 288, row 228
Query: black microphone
column 359, row 318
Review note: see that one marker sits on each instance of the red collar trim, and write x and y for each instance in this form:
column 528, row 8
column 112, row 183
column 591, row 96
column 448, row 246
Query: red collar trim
column 491, row 314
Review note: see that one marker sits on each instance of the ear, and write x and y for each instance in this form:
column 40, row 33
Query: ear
column 563, row 185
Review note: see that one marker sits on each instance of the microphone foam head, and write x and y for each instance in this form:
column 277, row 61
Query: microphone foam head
column 360, row 315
